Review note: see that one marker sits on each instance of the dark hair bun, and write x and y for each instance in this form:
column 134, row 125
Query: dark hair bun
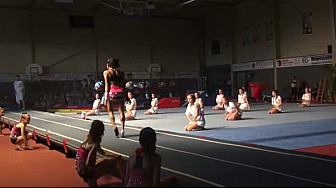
column 113, row 62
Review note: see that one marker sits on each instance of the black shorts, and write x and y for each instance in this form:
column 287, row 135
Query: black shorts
column 13, row 139
column 294, row 91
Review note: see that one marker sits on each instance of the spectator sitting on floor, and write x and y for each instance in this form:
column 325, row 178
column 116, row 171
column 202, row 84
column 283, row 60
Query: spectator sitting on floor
column 144, row 165
column 199, row 101
column 19, row 135
column 243, row 102
column 276, row 103
column 219, row 100
column 87, row 165
column 232, row 112
column 131, row 105
column 2, row 123
column 154, row 109
column 306, row 99
column 194, row 115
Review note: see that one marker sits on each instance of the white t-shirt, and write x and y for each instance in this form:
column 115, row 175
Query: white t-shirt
column 96, row 104
column 154, row 102
column 191, row 111
column 242, row 98
column 132, row 104
column 230, row 108
column 219, row 99
column 305, row 97
column 293, row 83
column 19, row 90
column 276, row 102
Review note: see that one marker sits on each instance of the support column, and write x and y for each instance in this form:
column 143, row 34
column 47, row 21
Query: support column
column 32, row 33
column 277, row 53
column 96, row 44
column 333, row 30
column 233, row 51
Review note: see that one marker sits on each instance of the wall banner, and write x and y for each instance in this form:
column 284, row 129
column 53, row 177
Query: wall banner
column 258, row 65
column 321, row 59
column 304, row 61
column 161, row 75
column 287, row 62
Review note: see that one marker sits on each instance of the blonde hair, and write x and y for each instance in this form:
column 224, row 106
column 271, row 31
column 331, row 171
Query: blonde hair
column 24, row 116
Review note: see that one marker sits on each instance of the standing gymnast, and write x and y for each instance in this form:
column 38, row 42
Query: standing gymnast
column 114, row 94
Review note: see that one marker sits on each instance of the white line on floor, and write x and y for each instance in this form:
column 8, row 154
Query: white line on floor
column 199, row 155
column 240, row 164
column 171, row 170
column 211, row 141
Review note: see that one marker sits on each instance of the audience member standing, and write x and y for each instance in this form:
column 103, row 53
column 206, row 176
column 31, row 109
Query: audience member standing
column 19, row 90
column 293, row 84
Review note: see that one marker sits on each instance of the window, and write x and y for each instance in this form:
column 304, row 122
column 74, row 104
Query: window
column 307, row 20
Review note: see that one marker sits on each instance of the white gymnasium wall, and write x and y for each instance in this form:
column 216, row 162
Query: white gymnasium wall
column 292, row 41
column 218, row 28
column 250, row 14
column 15, row 47
column 174, row 44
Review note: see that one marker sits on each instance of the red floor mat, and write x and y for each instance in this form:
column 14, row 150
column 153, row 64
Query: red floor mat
column 329, row 150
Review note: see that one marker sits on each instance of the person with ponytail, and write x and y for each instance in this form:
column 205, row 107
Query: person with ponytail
column 144, row 165
column 19, row 135
column 114, row 96
column 87, row 165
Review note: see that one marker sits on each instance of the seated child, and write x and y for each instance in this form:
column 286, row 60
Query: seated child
column 131, row 105
column 232, row 112
column 95, row 106
column 154, row 106
column 306, row 99
column 276, row 103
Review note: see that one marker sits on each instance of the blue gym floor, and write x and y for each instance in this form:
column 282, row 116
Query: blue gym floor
column 225, row 154
column 294, row 128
